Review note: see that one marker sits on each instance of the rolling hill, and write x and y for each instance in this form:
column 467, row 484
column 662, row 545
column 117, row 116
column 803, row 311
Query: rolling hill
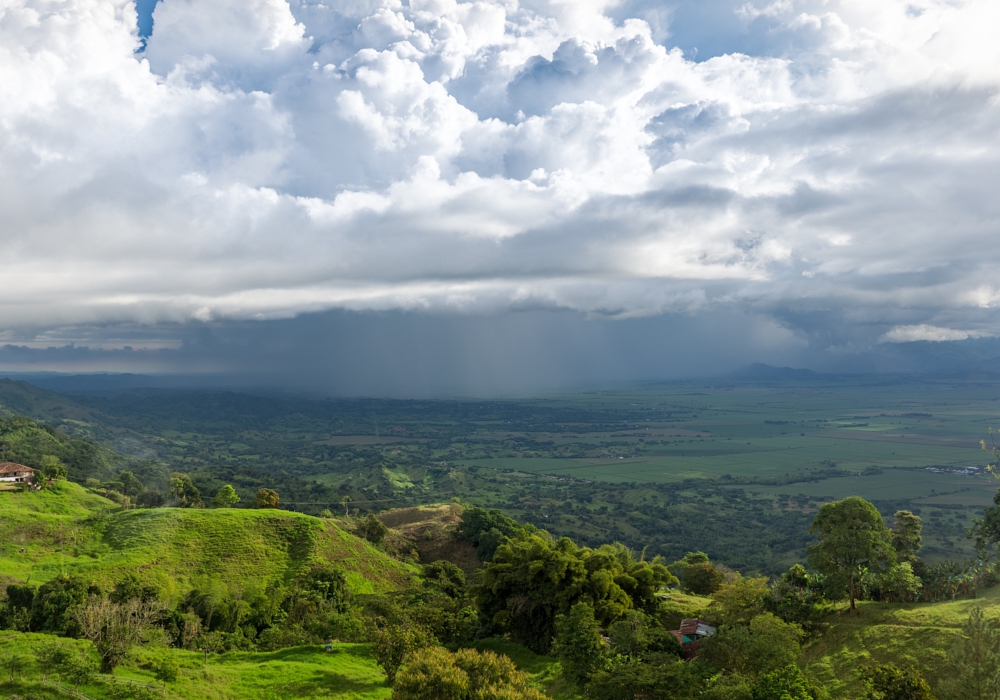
column 68, row 529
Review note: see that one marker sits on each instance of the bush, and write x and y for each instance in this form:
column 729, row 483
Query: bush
column 638, row 681
column 436, row 674
column 889, row 682
column 787, row 683
column 371, row 529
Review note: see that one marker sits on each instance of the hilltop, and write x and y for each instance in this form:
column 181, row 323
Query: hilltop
column 68, row 529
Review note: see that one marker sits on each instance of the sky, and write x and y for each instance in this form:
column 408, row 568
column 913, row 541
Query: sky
column 384, row 197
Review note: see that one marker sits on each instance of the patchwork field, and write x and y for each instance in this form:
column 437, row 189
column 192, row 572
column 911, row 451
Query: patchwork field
column 734, row 467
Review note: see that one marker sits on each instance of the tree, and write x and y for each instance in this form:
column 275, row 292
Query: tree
column 431, row 674
column 446, row 576
column 266, row 498
column 437, row 674
column 899, row 584
column 55, row 602
column 210, row 643
column 889, row 682
column 578, row 644
column 630, row 635
column 739, row 602
column 701, row 578
column 906, row 535
column 188, row 629
column 531, row 579
column 166, row 671
column 52, row 469
column 15, row 613
column 13, row 663
column 114, row 628
column 371, row 529
column 184, row 490
column 792, row 597
column 974, row 661
column 78, row 668
column 326, row 584
column 787, row 683
column 852, row 537
column 226, row 497
column 393, row 643
column 676, row 680
column 51, row 657
column 488, row 529
column 130, row 486
column 494, row 677
column 767, row 644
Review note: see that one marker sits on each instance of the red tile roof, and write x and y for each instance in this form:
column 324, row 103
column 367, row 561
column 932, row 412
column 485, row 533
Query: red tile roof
column 14, row 467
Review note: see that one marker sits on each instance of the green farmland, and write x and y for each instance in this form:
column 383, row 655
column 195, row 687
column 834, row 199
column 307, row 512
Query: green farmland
column 733, row 467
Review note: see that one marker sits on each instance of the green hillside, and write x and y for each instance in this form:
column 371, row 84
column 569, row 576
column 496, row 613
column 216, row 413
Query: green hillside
column 917, row 634
column 347, row 672
column 67, row 529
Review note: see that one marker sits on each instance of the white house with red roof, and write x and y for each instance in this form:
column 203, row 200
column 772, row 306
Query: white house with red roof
column 11, row 472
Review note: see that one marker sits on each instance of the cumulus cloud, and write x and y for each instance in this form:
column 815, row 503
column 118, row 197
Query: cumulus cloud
column 833, row 169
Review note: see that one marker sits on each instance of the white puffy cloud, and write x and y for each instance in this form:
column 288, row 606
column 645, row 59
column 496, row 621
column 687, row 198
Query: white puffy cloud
column 258, row 160
column 924, row 331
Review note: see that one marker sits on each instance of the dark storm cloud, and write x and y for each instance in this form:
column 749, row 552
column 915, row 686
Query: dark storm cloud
column 823, row 170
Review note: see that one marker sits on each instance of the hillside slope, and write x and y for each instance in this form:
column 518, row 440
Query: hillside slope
column 68, row 529
column 917, row 634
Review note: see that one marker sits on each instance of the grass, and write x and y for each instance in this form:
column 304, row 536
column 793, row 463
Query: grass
column 67, row 529
column 918, row 634
column 346, row 673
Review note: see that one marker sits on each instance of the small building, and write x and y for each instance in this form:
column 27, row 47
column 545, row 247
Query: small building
column 690, row 635
column 11, row 472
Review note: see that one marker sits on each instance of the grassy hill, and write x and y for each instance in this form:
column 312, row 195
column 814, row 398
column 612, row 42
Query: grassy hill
column 347, row 672
column 68, row 529
column 433, row 532
column 918, row 634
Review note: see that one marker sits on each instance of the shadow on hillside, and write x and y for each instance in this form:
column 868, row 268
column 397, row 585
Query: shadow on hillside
column 328, row 683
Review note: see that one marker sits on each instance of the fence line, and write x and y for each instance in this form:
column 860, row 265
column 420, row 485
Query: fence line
column 66, row 690
column 79, row 695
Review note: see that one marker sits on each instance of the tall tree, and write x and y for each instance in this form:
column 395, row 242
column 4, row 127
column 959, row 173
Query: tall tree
column 974, row 661
column 579, row 645
column 906, row 535
column 852, row 537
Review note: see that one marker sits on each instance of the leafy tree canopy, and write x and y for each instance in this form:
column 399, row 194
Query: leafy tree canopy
column 266, row 498
column 889, row 682
column 226, row 497
column 532, row 579
column 767, row 644
column 852, row 537
column 184, row 490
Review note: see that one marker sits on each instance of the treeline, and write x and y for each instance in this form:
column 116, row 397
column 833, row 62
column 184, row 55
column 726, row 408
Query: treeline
column 38, row 445
column 607, row 613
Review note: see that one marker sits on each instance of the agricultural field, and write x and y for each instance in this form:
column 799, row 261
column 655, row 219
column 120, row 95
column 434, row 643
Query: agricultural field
column 735, row 467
